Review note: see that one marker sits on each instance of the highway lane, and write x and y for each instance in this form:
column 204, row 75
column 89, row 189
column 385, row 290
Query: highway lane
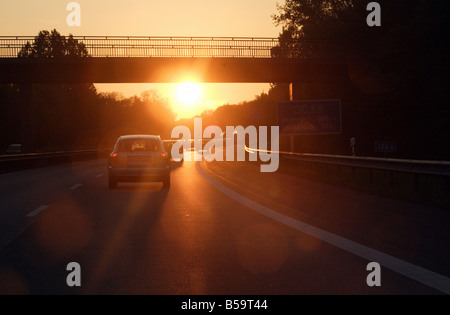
column 412, row 232
column 202, row 236
column 23, row 193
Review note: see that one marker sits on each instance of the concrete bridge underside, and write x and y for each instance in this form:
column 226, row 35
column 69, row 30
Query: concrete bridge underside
column 169, row 70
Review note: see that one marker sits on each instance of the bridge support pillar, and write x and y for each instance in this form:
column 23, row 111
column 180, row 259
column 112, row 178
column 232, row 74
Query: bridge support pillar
column 27, row 119
column 295, row 93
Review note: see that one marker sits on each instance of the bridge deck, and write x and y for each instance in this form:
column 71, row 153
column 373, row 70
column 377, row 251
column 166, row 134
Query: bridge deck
column 166, row 70
column 126, row 59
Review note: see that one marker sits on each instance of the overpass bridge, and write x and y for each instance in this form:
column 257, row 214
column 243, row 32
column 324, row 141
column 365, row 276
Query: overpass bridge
column 139, row 59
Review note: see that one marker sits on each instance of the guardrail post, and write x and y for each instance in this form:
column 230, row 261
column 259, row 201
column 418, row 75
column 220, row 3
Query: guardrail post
column 294, row 94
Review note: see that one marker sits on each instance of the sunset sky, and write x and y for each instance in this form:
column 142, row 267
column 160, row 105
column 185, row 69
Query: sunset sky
column 212, row 18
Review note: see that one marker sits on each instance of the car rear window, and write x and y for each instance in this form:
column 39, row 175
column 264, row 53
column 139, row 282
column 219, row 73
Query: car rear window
column 139, row 145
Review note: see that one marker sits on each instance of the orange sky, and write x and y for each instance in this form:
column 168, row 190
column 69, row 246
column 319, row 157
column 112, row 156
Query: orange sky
column 212, row 18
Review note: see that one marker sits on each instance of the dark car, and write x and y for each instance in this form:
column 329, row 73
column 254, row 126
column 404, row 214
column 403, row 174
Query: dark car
column 14, row 148
column 138, row 158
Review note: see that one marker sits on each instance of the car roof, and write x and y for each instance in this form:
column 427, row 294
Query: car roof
column 139, row 137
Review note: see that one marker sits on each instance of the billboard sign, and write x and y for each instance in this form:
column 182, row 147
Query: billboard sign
column 309, row 117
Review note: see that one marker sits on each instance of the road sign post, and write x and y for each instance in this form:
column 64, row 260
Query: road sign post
column 353, row 144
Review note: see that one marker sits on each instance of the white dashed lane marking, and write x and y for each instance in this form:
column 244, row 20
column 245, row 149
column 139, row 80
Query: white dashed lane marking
column 75, row 186
column 37, row 211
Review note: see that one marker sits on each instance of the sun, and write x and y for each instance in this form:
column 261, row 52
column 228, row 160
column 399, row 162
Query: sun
column 188, row 93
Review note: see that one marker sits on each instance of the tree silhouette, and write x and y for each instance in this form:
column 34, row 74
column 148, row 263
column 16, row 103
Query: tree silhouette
column 314, row 19
column 53, row 45
column 398, row 73
column 53, row 116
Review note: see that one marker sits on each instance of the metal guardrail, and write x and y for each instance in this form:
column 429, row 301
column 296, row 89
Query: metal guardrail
column 426, row 182
column 27, row 156
column 142, row 46
column 16, row 162
column 400, row 165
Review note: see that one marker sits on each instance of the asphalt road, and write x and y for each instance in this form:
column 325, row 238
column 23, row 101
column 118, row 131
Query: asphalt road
column 223, row 228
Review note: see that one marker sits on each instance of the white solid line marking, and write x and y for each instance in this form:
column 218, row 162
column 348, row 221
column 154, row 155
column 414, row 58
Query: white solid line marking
column 99, row 175
column 75, row 186
column 37, row 211
column 417, row 273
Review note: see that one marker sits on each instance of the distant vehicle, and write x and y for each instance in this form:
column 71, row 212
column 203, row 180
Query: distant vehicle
column 168, row 144
column 168, row 147
column 14, row 148
column 138, row 158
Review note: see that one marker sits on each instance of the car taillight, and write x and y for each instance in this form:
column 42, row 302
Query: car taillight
column 164, row 158
column 114, row 159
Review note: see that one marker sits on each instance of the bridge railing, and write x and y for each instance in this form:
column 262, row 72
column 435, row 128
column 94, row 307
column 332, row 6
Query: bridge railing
column 140, row 46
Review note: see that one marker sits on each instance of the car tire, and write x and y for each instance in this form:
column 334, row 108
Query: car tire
column 166, row 181
column 112, row 182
